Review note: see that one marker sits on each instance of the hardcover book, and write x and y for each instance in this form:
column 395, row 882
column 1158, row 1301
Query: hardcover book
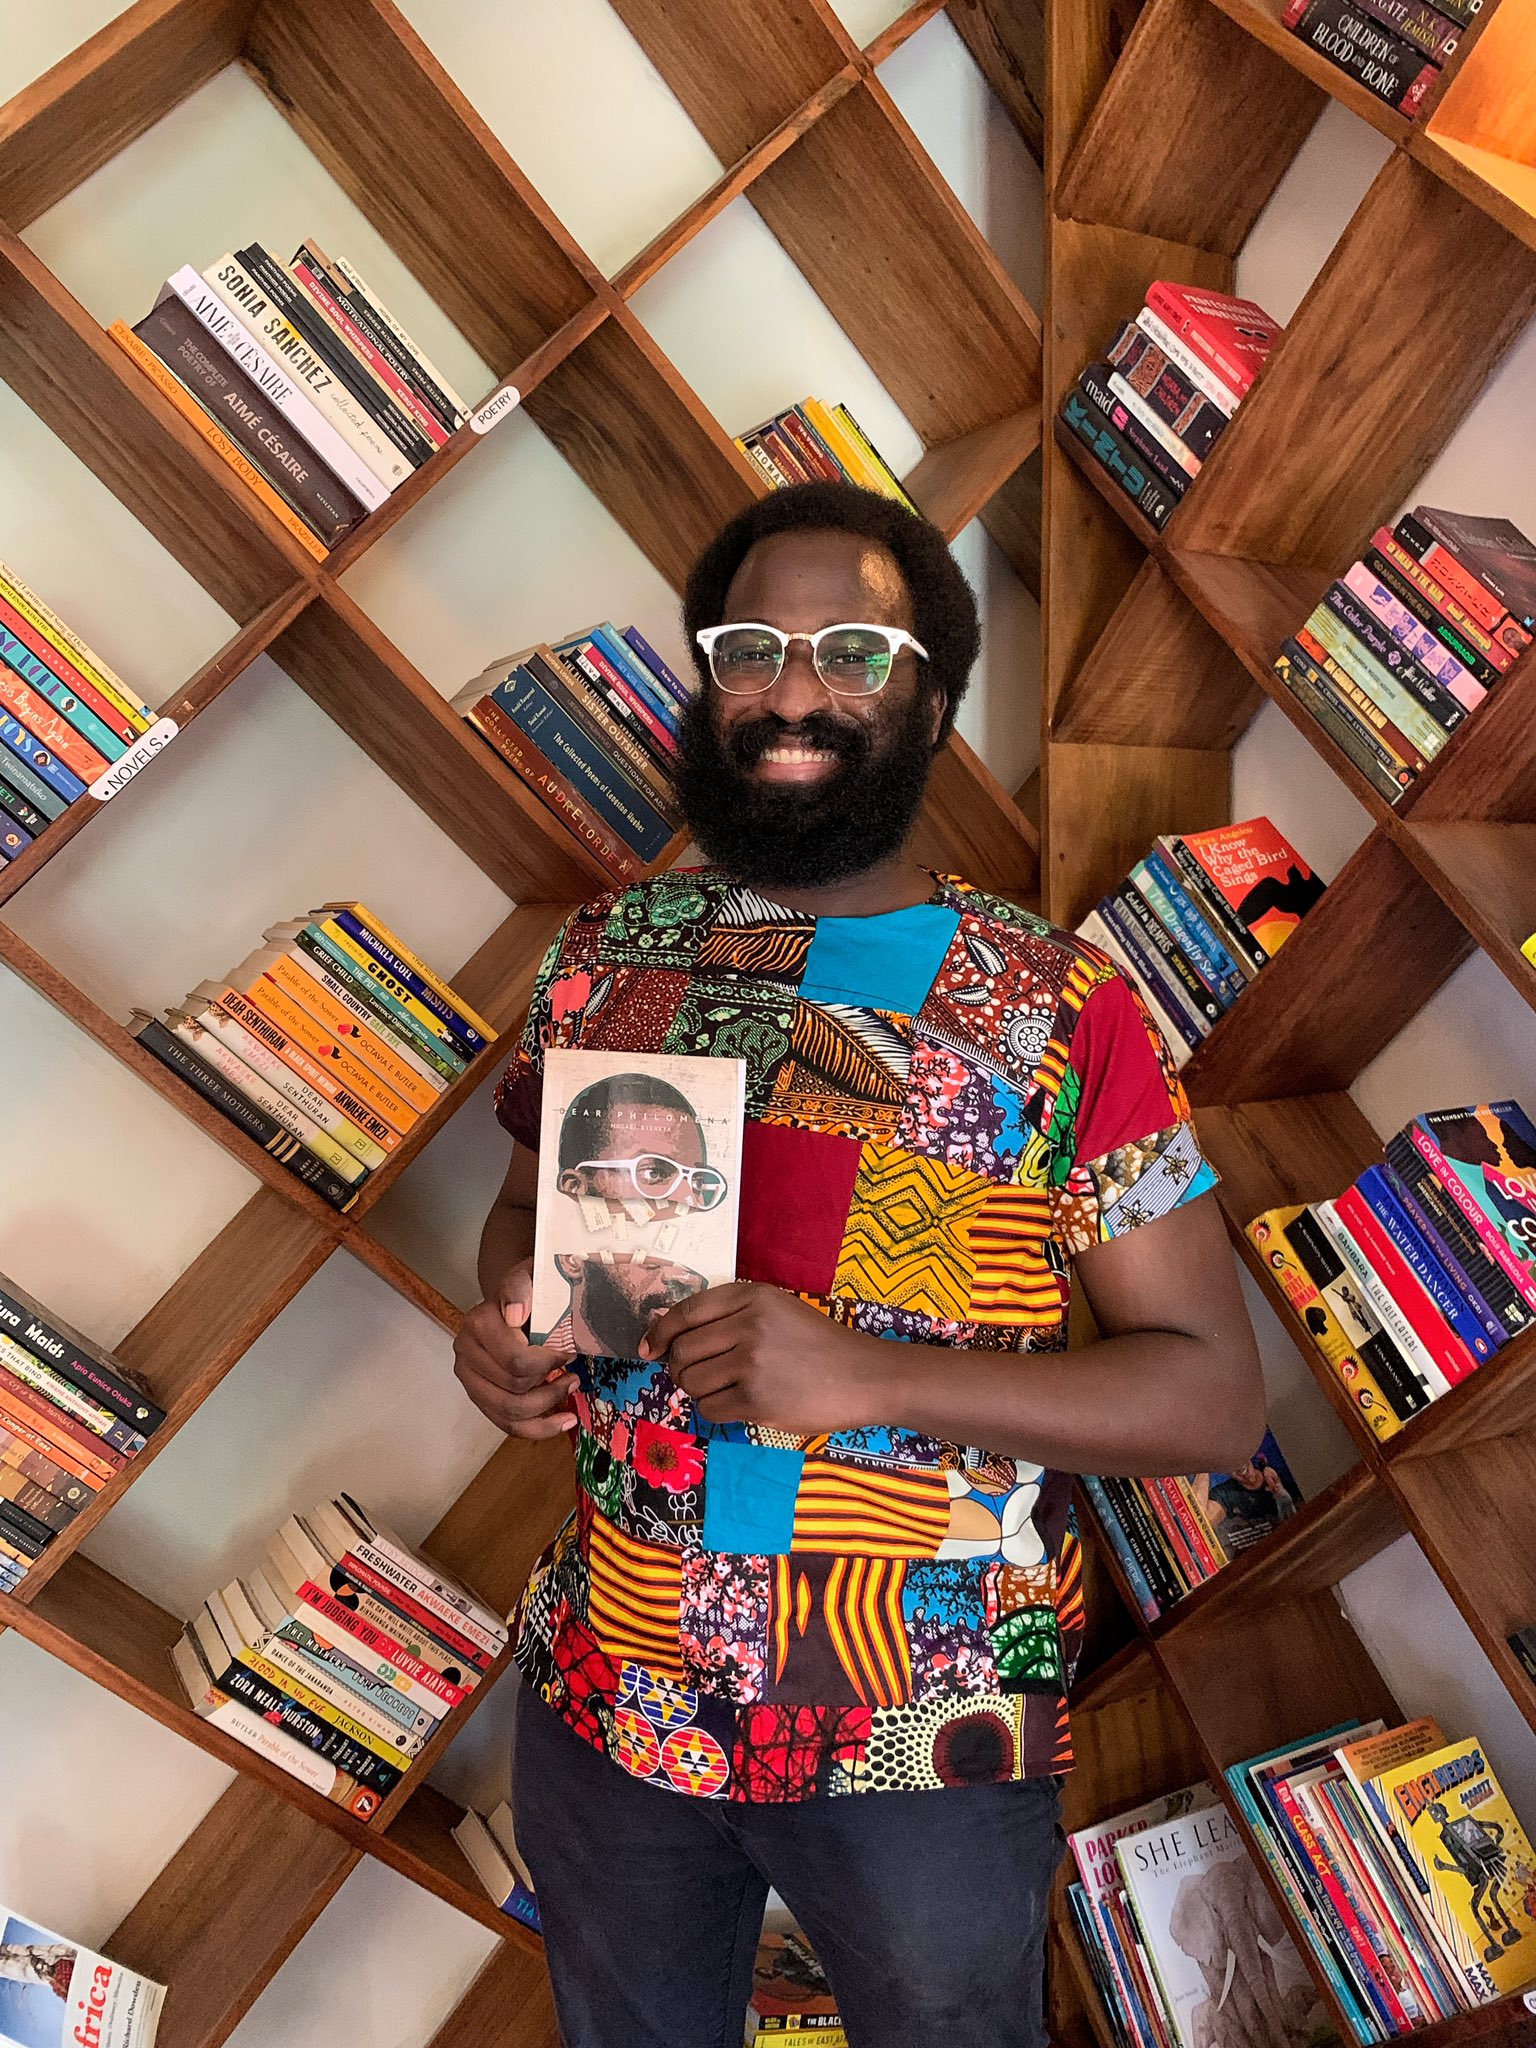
column 1495, row 550
column 1233, row 335
column 55, row 1993
column 639, row 1181
column 1228, row 1971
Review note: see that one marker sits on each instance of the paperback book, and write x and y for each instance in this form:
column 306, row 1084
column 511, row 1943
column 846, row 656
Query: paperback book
column 56, row 1993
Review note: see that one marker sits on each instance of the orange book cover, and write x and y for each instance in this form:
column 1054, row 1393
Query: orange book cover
column 1259, row 875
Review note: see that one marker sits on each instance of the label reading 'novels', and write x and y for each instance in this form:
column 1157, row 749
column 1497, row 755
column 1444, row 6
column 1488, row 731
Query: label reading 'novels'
column 139, row 755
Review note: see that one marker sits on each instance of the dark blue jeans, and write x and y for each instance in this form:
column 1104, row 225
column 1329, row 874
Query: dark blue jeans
column 927, row 1909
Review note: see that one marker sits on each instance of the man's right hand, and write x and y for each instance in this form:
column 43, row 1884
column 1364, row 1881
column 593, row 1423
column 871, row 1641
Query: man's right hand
column 523, row 1388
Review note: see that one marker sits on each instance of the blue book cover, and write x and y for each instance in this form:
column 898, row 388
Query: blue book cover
column 647, row 689
column 1160, row 940
column 1375, row 1184
column 1455, row 1267
column 1156, row 880
column 40, row 759
column 31, row 789
column 1151, row 971
column 611, row 643
column 561, row 741
column 14, row 839
column 423, row 991
column 1109, row 1522
column 37, row 677
column 646, row 653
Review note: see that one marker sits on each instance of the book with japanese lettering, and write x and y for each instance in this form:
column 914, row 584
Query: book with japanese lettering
column 55, row 1993
column 1454, row 1827
column 639, row 1182
column 1227, row 1969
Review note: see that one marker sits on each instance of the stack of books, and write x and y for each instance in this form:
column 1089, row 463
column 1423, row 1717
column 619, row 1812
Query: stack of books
column 490, row 1848
column 1173, row 1534
column 1165, row 1957
column 1405, row 1865
column 1420, row 1271
column 65, row 718
column 792, row 2003
column 71, row 1418
column 1395, row 48
column 591, row 725
column 339, row 1655
column 325, row 1045
column 1151, row 410
column 55, row 1993
column 1195, row 921
column 815, row 443
column 1412, row 638
column 301, row 380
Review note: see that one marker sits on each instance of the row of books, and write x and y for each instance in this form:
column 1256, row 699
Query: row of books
column 1170, row 1912
column 65, row 719
column 1424, row 1267
column 325, row 1045
column 815, row 443
column 1394, row 48
column 300, row 378
column 339, row 1656
column 71, row 1418
column 1405, row 1866
column 57, row 1993
column 1171, row 1535
column 1410, row 640
column 489, row 1842
column 591, row 725
column 1152, row 408
column 1194, row 922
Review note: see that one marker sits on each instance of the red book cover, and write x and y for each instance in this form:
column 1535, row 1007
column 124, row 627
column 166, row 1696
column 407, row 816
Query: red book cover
column 1386, row 543
column 1257, row 872
column 1496, row 552
column 1403, row 1284
column 1234, row 336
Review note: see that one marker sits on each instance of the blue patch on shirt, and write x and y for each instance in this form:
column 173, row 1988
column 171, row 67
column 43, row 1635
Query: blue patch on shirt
column 749, row 1499
column 887, row 962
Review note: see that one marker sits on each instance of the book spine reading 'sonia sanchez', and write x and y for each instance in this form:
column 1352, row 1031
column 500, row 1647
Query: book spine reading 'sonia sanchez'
column 267, row 1132
column 63, row 1349
column 1390, row 69
column 287, row 462
column 1118, row 459
column 383, row 946
column 611, row 796
column 521, row 755
column 1094, row 383
column 1468, row 589
column 1384, row 647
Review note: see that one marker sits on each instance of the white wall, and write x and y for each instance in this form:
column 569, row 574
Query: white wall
column 263, row 808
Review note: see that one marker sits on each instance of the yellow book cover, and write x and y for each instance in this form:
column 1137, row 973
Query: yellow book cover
column 1463, row 1838
column 89, row 663
column 1320, row 1316
column 382, row 932
column 376, row 971
column 843, row 445
column 1529, row 949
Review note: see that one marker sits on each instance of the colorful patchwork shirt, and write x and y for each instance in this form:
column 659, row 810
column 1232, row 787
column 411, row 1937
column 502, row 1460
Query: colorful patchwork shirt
column 944, row 1105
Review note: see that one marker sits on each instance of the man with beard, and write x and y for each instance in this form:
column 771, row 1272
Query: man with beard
column 813, row 1620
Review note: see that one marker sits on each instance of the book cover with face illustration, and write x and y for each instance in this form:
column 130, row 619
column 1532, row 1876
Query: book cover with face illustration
column 639, row 1177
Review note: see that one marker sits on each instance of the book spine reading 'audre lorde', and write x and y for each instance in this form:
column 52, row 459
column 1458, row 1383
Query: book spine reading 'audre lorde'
column 612, row 795
column 287, row 461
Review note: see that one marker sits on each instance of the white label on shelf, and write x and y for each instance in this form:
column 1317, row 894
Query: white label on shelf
column 495, row 408
column 139, row 755
column 1530, row 2001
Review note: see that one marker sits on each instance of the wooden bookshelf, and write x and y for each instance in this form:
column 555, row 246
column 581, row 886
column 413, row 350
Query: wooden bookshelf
column 1158, row 652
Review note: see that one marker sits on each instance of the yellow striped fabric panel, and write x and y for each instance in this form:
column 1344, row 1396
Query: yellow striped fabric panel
column 633, row 1600
column 846, row 1509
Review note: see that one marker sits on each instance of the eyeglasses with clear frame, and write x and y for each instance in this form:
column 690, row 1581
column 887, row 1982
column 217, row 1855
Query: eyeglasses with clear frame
column 656, row 1178
column 853, row 660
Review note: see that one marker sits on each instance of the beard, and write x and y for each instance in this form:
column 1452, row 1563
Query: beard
column 792, row 836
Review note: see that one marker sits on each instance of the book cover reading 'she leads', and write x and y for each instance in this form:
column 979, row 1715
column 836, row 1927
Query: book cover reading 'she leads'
column 639, row 1181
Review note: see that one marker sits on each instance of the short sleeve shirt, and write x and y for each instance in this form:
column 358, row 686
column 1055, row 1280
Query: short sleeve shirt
column 944, row 1105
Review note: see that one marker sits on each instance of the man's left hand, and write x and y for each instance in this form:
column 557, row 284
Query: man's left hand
column 747, row 1352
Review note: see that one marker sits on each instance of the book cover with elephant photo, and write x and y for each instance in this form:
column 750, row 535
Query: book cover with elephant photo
column 1228, row 1971
column 639, row 1182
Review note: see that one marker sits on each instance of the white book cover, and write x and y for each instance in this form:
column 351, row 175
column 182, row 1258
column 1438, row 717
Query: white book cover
column 639, row 1183
column 1228, row 1970
column 56, row 1994
column 1094, row 1848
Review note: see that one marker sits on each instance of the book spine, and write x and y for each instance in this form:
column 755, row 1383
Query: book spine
column 1492, row 1241
column 1430, row 1382
column 1319, row 1256
column 363, row 1691
column 1415, row 638
column 1485, row 1282
column 413, row 351
column 280, row 1009
column 645, row 653
column 1392, row 71
column 1141, row 1533
column 519, row 753
column 1136, row 357
column 1493, row 651
column 35, row 1419
column 1148, row 417
column 250, row 1052
column 265, row 1130
column 21, row 1319
column 394, row 1595
column 123, row 725
column 309, row 980
column 277, row 1105
column 413, row 1576
column 1347, row 677
column 1417, row 24
column 87, row 710
column 1099, row 933
column 1338, row 1911
column 1388, row 776
column 1442, row 705
column 1397, row 1213
column 458, row 1038
column 50, row 728
column 1202, row 374
column 1116, row 1537
column 430, row 1041
column 1118, row 459
column 1135, row 916
column 1417, row 1308
column 14, row 840
column 1165, row 1002
column 288, row 1671
column 25, row 1495
column 89, row 670
column 29, row 786
column 894, row 487
column 462, row 1023
column 817, row 459
column 371, row 1052
column 611, row 796
column 1389, row 687
column 368, row 354
column 26, row 748
column 621, row 657
column 589, row 660
column 1159, row 883
column 1218, row 913
column 284, row 292
column 1413, row 600
column 321, row 1736
column 257, row 1733
column 1475, row 598
column 294, row 1055
column 592, row 711
column 390, row 1624
column 213, row 435
column 26, row 1368
column 754, row 449
column 381, row 333
column 292, row 401
column 27, row 1537
column 44, row 1470
column 217, row 382
column 20, row 812
column 376, row 1643
column 1210, row 338
column 1174, row 1534
column 1094, row 385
